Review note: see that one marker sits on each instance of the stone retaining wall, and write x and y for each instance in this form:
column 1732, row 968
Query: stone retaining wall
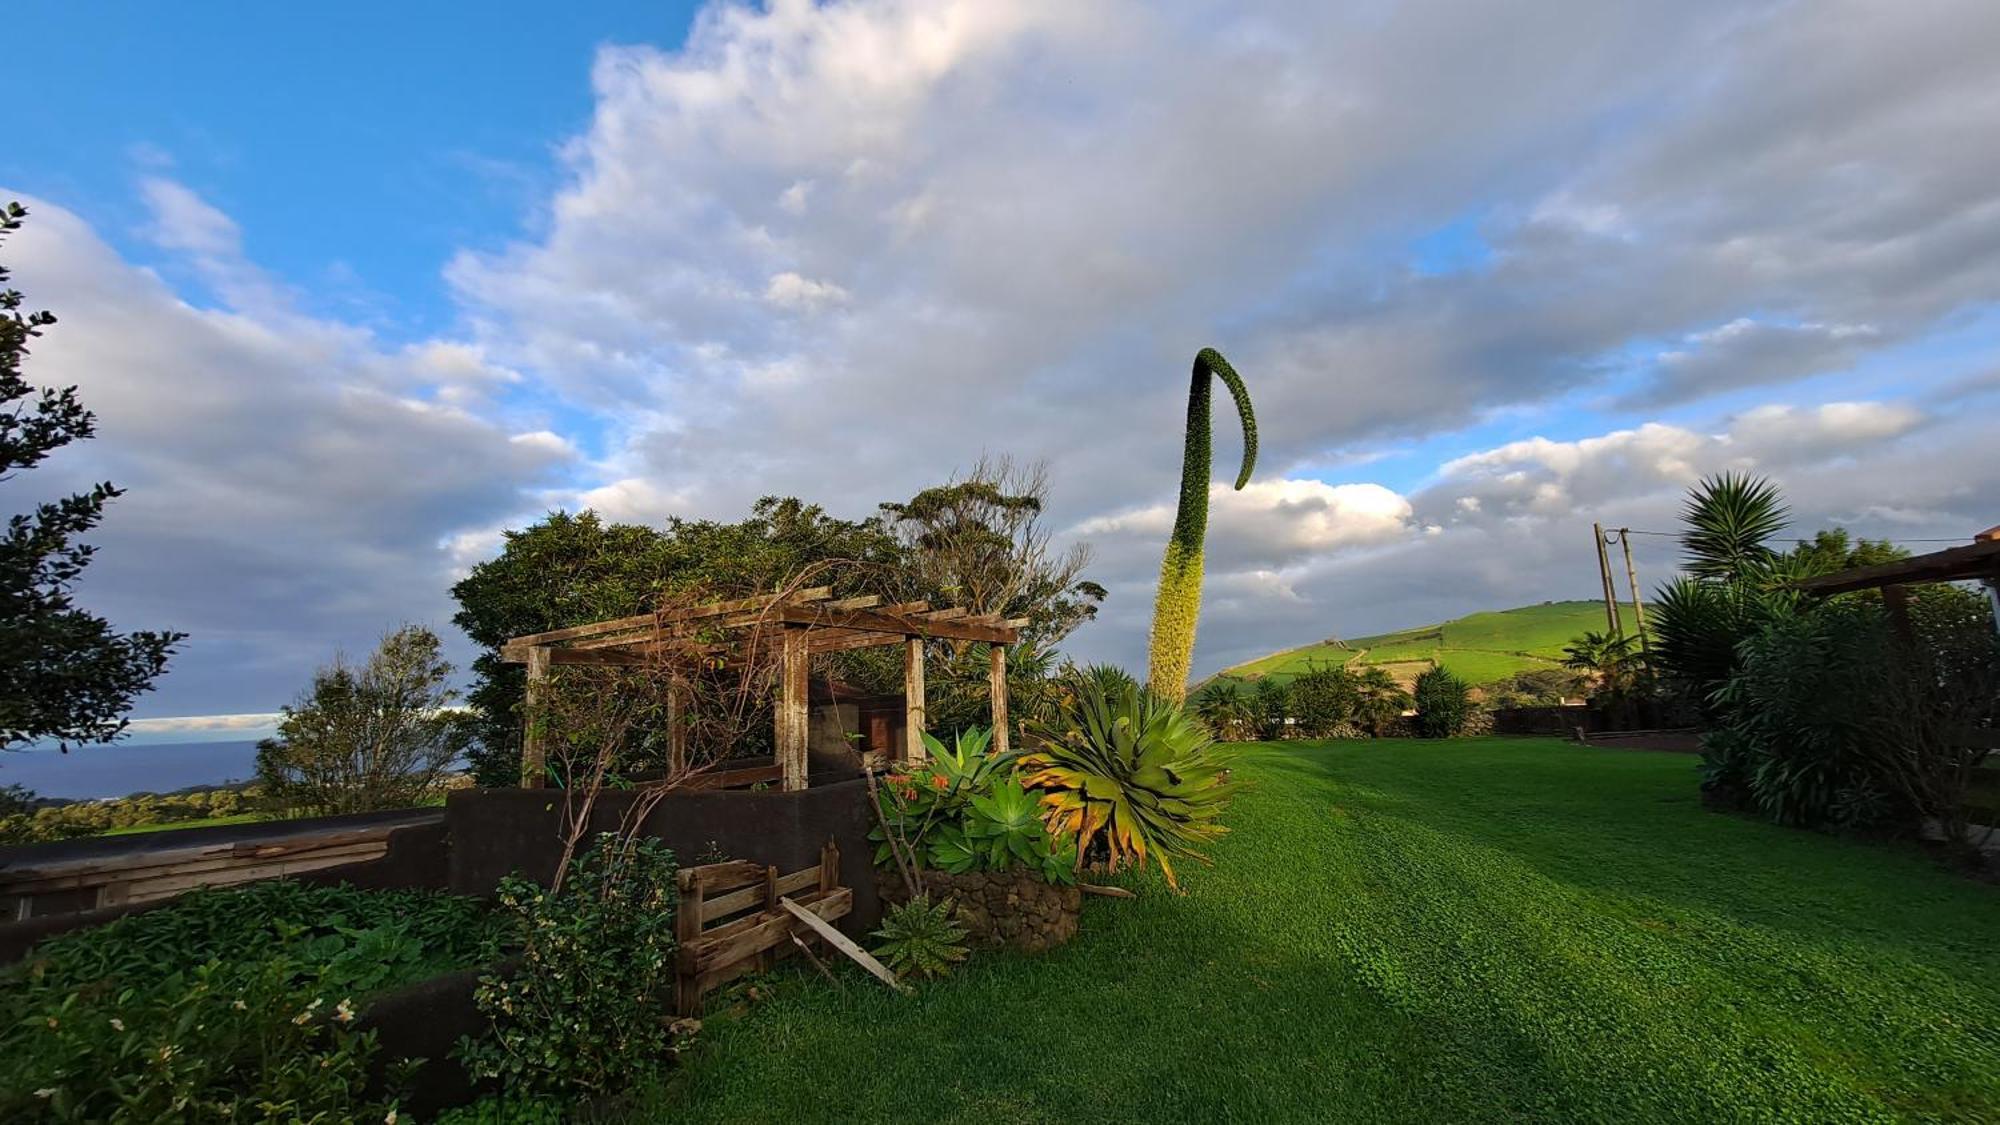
column 1013, row 909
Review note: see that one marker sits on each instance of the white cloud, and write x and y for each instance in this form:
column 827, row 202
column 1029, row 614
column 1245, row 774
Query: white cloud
column 790, row 291
column 292, row 483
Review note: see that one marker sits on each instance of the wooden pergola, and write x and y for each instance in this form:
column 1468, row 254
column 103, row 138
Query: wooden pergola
column 800, row 624
column 1978, row 561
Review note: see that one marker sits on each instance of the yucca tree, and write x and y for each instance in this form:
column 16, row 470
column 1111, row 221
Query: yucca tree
column 1178, row 603
column 1129, row 776
column 1730, row 520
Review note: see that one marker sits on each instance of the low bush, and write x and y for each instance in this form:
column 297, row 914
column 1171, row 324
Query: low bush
column 921, row 938
column 964, row 809
column 27, row 820
column 586, row 1010
column 1443, row 703
column 225, row 1005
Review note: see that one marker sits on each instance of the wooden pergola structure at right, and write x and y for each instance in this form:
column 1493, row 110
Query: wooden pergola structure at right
column 799, row 624
column 1978, row 561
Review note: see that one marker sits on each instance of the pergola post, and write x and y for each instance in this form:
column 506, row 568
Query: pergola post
column 793, row 718
column 534, row 756
column 913, row 701
column 996, row 690
column 677, row 736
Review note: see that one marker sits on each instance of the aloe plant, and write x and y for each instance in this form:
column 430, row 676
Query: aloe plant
column 1178, row 603
column 1129, row 776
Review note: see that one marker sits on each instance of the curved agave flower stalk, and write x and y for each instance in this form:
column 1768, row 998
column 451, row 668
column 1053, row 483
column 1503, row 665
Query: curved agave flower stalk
column 1178, row 604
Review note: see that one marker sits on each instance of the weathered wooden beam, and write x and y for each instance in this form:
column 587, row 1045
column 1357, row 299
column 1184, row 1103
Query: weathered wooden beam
column 907, row 625
column 843, row 640
column 996, row 689
column 867, row 602
column 843, row 943
column 600, row 658
column 794, row 718
column 949, row 613
column 913, row 701
column 650, row 620
column 534, row 756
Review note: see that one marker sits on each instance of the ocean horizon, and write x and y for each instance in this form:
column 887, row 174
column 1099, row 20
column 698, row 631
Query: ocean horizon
column 122, row 769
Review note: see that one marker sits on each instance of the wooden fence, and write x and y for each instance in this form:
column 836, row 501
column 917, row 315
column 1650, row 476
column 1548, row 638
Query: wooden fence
column 731, row 920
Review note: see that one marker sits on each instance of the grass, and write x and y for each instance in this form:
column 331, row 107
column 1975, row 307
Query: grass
column 1480, row 648
column 203, row 822
column 1403, row 931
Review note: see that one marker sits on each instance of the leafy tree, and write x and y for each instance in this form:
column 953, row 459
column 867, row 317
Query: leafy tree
column 1177, row 606
column 575, row 569
column 980, row 543
column 64, row 674
column 1443, row 703
column 1324, row 698
column 380, row 736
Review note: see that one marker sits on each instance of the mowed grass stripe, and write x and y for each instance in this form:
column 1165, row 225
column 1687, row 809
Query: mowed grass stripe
column 1489, row 929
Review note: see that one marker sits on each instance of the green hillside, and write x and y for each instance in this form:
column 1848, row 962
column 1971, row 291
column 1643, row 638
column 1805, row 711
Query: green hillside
column 1479, row 647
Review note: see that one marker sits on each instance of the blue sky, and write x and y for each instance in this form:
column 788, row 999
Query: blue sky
column 354, row 289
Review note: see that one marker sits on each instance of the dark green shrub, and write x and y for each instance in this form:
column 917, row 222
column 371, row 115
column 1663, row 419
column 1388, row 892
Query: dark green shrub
column 1324, row 699
column 583, row 1012
column 1443, row 702
column 226, row 1005
column 1271, row 706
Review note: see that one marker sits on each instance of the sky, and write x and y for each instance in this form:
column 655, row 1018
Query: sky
column 354, row 289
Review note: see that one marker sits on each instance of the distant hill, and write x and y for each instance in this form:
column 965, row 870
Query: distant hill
column 1480, row 648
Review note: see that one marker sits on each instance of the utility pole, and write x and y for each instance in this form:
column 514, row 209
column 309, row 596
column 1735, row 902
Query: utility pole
column 1632, row 577
column 1614, row 629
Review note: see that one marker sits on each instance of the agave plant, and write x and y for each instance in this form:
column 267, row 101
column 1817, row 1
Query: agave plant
column 1129, row 775
column 1177, row 606
column 921, row 938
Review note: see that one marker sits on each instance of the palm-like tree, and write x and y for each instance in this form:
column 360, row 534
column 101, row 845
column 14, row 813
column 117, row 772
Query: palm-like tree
column 1730, row 520
column 1225, row 706
column 1178, row 603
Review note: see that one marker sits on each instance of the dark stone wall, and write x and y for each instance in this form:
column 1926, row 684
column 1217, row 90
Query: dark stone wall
column 495, row 832
column 1010, row 909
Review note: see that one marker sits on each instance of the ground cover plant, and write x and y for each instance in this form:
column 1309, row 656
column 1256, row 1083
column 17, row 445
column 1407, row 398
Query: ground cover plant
column 1420, row 931
column 225, row 1005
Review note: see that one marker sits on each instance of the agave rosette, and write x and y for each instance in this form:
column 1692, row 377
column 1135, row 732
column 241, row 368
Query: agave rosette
column 1134, row 771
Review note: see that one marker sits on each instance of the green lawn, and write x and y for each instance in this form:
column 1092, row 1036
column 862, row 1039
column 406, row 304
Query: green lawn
column 1399, row 931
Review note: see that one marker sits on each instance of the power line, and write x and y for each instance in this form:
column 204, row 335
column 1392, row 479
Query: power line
column 1873, row 539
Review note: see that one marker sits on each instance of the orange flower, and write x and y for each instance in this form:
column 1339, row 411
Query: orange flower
column 938, row 781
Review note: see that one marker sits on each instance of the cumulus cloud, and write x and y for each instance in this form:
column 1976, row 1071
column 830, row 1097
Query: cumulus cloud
column 292, row 482
column 838, row 250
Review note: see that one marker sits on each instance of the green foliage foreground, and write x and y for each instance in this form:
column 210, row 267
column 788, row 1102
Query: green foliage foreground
column 1403, row 931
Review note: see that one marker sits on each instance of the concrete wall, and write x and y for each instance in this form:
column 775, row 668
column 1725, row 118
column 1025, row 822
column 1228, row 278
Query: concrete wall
column 495, row 832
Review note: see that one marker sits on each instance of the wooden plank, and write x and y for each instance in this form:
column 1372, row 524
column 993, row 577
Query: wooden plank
column 534, row 755
column 761, row 894
column 868, row 602
column 649, row 620
column 149, row 867
column 737, row 941
column 924, row 626
column 598, row 658
column 719, row 876
column 996, row 691
column 913, row 700
column 794, row 718
column 845, row 640
column 148, row 890
column 843, row 943
column 949, row 613
column 829, row 866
